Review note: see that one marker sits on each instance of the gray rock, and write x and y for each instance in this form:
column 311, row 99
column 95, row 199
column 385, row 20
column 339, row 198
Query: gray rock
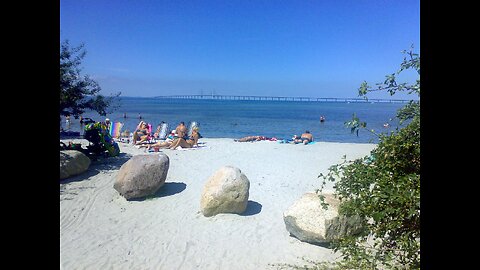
column 226, row 191
column 73, row 162
column 142, row 175
column 309, row 222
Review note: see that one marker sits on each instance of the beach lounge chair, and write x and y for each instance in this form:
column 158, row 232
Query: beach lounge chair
column 191, row 126
column 151, row 135
column 115, row 129
column 161, row 132
column 148, row 132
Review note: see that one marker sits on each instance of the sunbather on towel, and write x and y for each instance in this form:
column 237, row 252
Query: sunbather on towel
column 189, row 143
column 306, row 138
column 252, row 139
column 164, row 144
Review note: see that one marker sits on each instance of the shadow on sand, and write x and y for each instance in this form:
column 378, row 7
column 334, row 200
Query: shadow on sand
column 253, row 208
column 324, row 245
column 168, row 189
column 98, row 165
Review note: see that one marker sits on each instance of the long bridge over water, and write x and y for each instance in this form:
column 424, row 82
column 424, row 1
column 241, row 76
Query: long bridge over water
column 280, row 98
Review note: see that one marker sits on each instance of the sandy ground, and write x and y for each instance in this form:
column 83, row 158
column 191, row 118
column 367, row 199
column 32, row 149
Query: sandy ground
column 99, row 229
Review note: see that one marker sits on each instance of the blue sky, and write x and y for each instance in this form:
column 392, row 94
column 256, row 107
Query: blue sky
column 276, row 48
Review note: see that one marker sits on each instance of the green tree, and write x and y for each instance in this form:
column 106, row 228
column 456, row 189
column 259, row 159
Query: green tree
column 384, row 187
column 79, row 93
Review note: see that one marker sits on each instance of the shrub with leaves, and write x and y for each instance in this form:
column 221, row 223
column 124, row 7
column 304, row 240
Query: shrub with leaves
column 383, row 189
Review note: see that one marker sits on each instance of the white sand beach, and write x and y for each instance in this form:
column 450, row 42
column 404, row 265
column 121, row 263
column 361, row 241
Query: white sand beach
column 100, row 229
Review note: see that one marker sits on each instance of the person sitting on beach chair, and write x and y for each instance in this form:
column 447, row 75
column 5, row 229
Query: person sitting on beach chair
column 181, row 130
column 141, row 134
column 189, row 143
column 192, row 141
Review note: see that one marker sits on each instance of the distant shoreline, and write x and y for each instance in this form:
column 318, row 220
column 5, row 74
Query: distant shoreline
column 237, row 119
column 277, row 98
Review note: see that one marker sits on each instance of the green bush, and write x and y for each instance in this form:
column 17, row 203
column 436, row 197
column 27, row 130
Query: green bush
column 384, row 190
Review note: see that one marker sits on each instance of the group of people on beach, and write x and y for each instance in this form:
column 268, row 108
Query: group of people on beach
column 305, row 138
column 180, row 137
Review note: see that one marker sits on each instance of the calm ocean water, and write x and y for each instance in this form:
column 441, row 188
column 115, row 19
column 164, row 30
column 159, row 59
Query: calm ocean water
column 236, row 119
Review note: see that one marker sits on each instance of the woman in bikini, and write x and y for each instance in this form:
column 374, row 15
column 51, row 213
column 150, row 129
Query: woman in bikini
column 141, row 133
column 189, row 143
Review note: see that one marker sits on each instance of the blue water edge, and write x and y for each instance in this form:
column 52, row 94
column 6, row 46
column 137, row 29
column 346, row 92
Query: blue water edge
column 240, row 118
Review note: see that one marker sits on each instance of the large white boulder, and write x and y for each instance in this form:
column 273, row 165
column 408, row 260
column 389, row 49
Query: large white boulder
column 226, row 191
column 308, row 221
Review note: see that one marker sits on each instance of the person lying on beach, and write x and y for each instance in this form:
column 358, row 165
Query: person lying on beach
column 189, row 143
column 306, row 138
column 252, row 139
column 141, row 133
column 294, row 140
column 164, row 144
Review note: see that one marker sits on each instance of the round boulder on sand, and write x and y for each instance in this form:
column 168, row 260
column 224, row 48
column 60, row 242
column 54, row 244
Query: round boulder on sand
column 142, row 175
column 226, row 191
column 308, row 221
column 73, row 162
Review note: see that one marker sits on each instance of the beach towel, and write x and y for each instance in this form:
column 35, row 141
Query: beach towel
column 115, row 129
column 199, row 146
column 149, row 128
column 290, row 141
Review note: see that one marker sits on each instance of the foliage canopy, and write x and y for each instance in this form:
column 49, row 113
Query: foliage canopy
column 383, row 188
column 79, row 93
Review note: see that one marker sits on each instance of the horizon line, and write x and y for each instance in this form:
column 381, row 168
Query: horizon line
column 274, row 98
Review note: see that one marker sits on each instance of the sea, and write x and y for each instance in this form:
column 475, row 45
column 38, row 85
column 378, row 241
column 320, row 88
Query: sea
column 239, row 118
